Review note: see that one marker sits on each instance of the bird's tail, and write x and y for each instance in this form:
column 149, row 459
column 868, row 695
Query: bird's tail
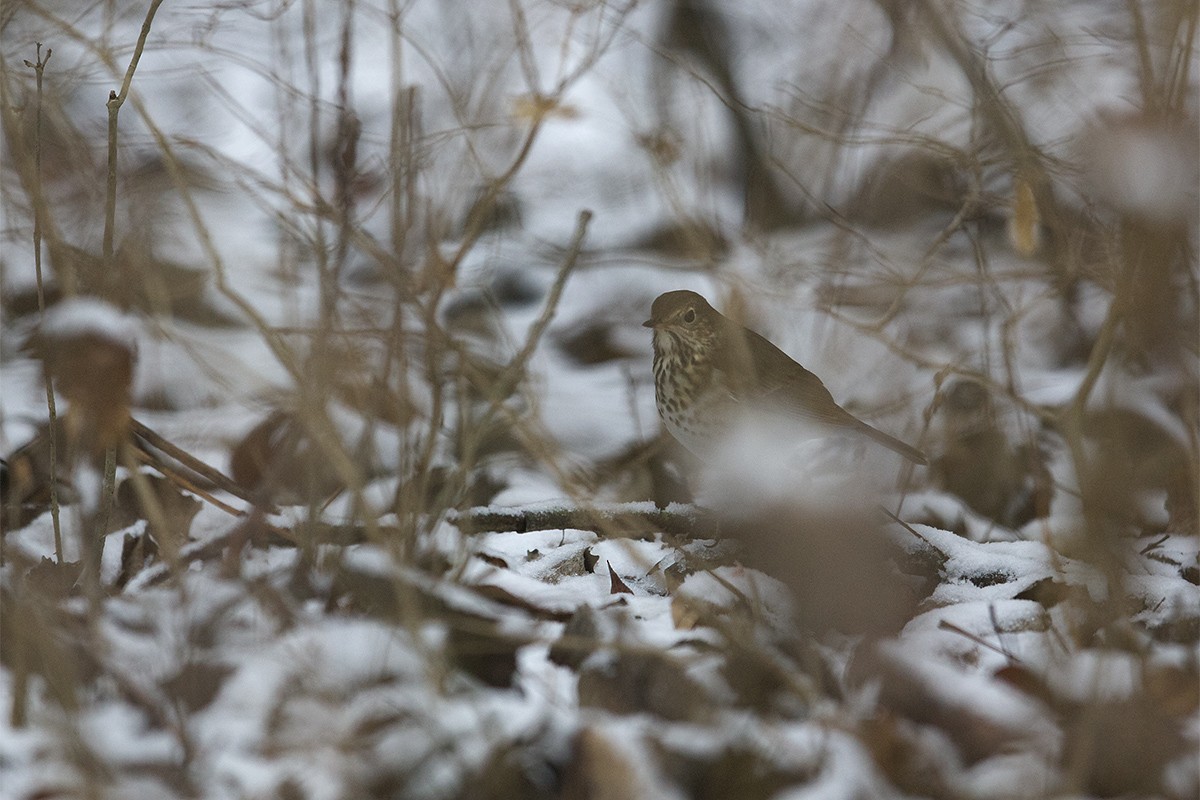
column 892, row 443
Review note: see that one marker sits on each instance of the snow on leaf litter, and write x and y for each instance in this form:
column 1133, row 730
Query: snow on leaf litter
column 355, row 484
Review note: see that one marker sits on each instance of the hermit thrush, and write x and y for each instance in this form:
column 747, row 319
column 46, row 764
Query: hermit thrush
column 708, row 370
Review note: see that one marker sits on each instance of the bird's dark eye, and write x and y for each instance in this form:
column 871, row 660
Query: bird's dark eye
column 690, row 316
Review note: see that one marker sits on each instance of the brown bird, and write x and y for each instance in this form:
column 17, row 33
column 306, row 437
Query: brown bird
column 708, row 368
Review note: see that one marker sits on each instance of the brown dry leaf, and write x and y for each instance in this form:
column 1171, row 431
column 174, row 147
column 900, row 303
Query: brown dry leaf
column 94, row 373
column 1024, row 226
column 835, row 560
column 506, row 774
column 580, row 638
column 485, row 653
column 177, row 508
column 590, row 560
column 1120, row 747
column 743, row 772
column 684, row 614
column 26, row 479
column 635, row 682
column 599, row 770
column 1175, row 690
column 898, row 751
column 279, row 459
column 53, row 579
column 1025, row 680
column 504, row 596
column 136, row 550
column 616, row 585
column 495, row 561
column 911, row 689
column 593, row 342
column 536, row 107
column 197, row 683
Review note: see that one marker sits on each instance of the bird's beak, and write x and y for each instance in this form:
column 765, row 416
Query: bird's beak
column 648, row 323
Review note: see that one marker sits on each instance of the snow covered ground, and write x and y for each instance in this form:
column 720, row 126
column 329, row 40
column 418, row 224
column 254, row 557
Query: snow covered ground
column 352, row 258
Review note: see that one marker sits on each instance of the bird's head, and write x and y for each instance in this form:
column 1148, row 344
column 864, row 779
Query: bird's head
column 682, row 318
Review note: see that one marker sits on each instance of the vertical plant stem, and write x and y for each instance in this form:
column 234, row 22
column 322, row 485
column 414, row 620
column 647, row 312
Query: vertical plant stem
column 313, row 387
column 93, row 526
column 400, row 143
column 110, row 193
column 39, row 68
column 115, row 101
column 18, row 653
column 1150, row 96
column 345, row 167
column 108, row 485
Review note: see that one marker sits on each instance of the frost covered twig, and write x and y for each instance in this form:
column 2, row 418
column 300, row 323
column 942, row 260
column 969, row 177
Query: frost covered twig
column 672, row 520
column 637, row 520
column 914, row 532
column 946, row 625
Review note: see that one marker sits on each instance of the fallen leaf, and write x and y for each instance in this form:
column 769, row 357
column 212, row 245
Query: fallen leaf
column 616, row 585
column 495, row 561
column 684, row 614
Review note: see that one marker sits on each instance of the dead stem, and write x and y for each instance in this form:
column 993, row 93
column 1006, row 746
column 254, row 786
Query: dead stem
column 38, row 217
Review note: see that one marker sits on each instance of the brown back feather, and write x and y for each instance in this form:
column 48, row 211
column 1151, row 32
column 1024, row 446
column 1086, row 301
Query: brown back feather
column 769, row 375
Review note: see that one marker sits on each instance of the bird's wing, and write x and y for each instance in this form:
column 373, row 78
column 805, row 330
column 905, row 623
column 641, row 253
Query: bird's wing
column 761, row 373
